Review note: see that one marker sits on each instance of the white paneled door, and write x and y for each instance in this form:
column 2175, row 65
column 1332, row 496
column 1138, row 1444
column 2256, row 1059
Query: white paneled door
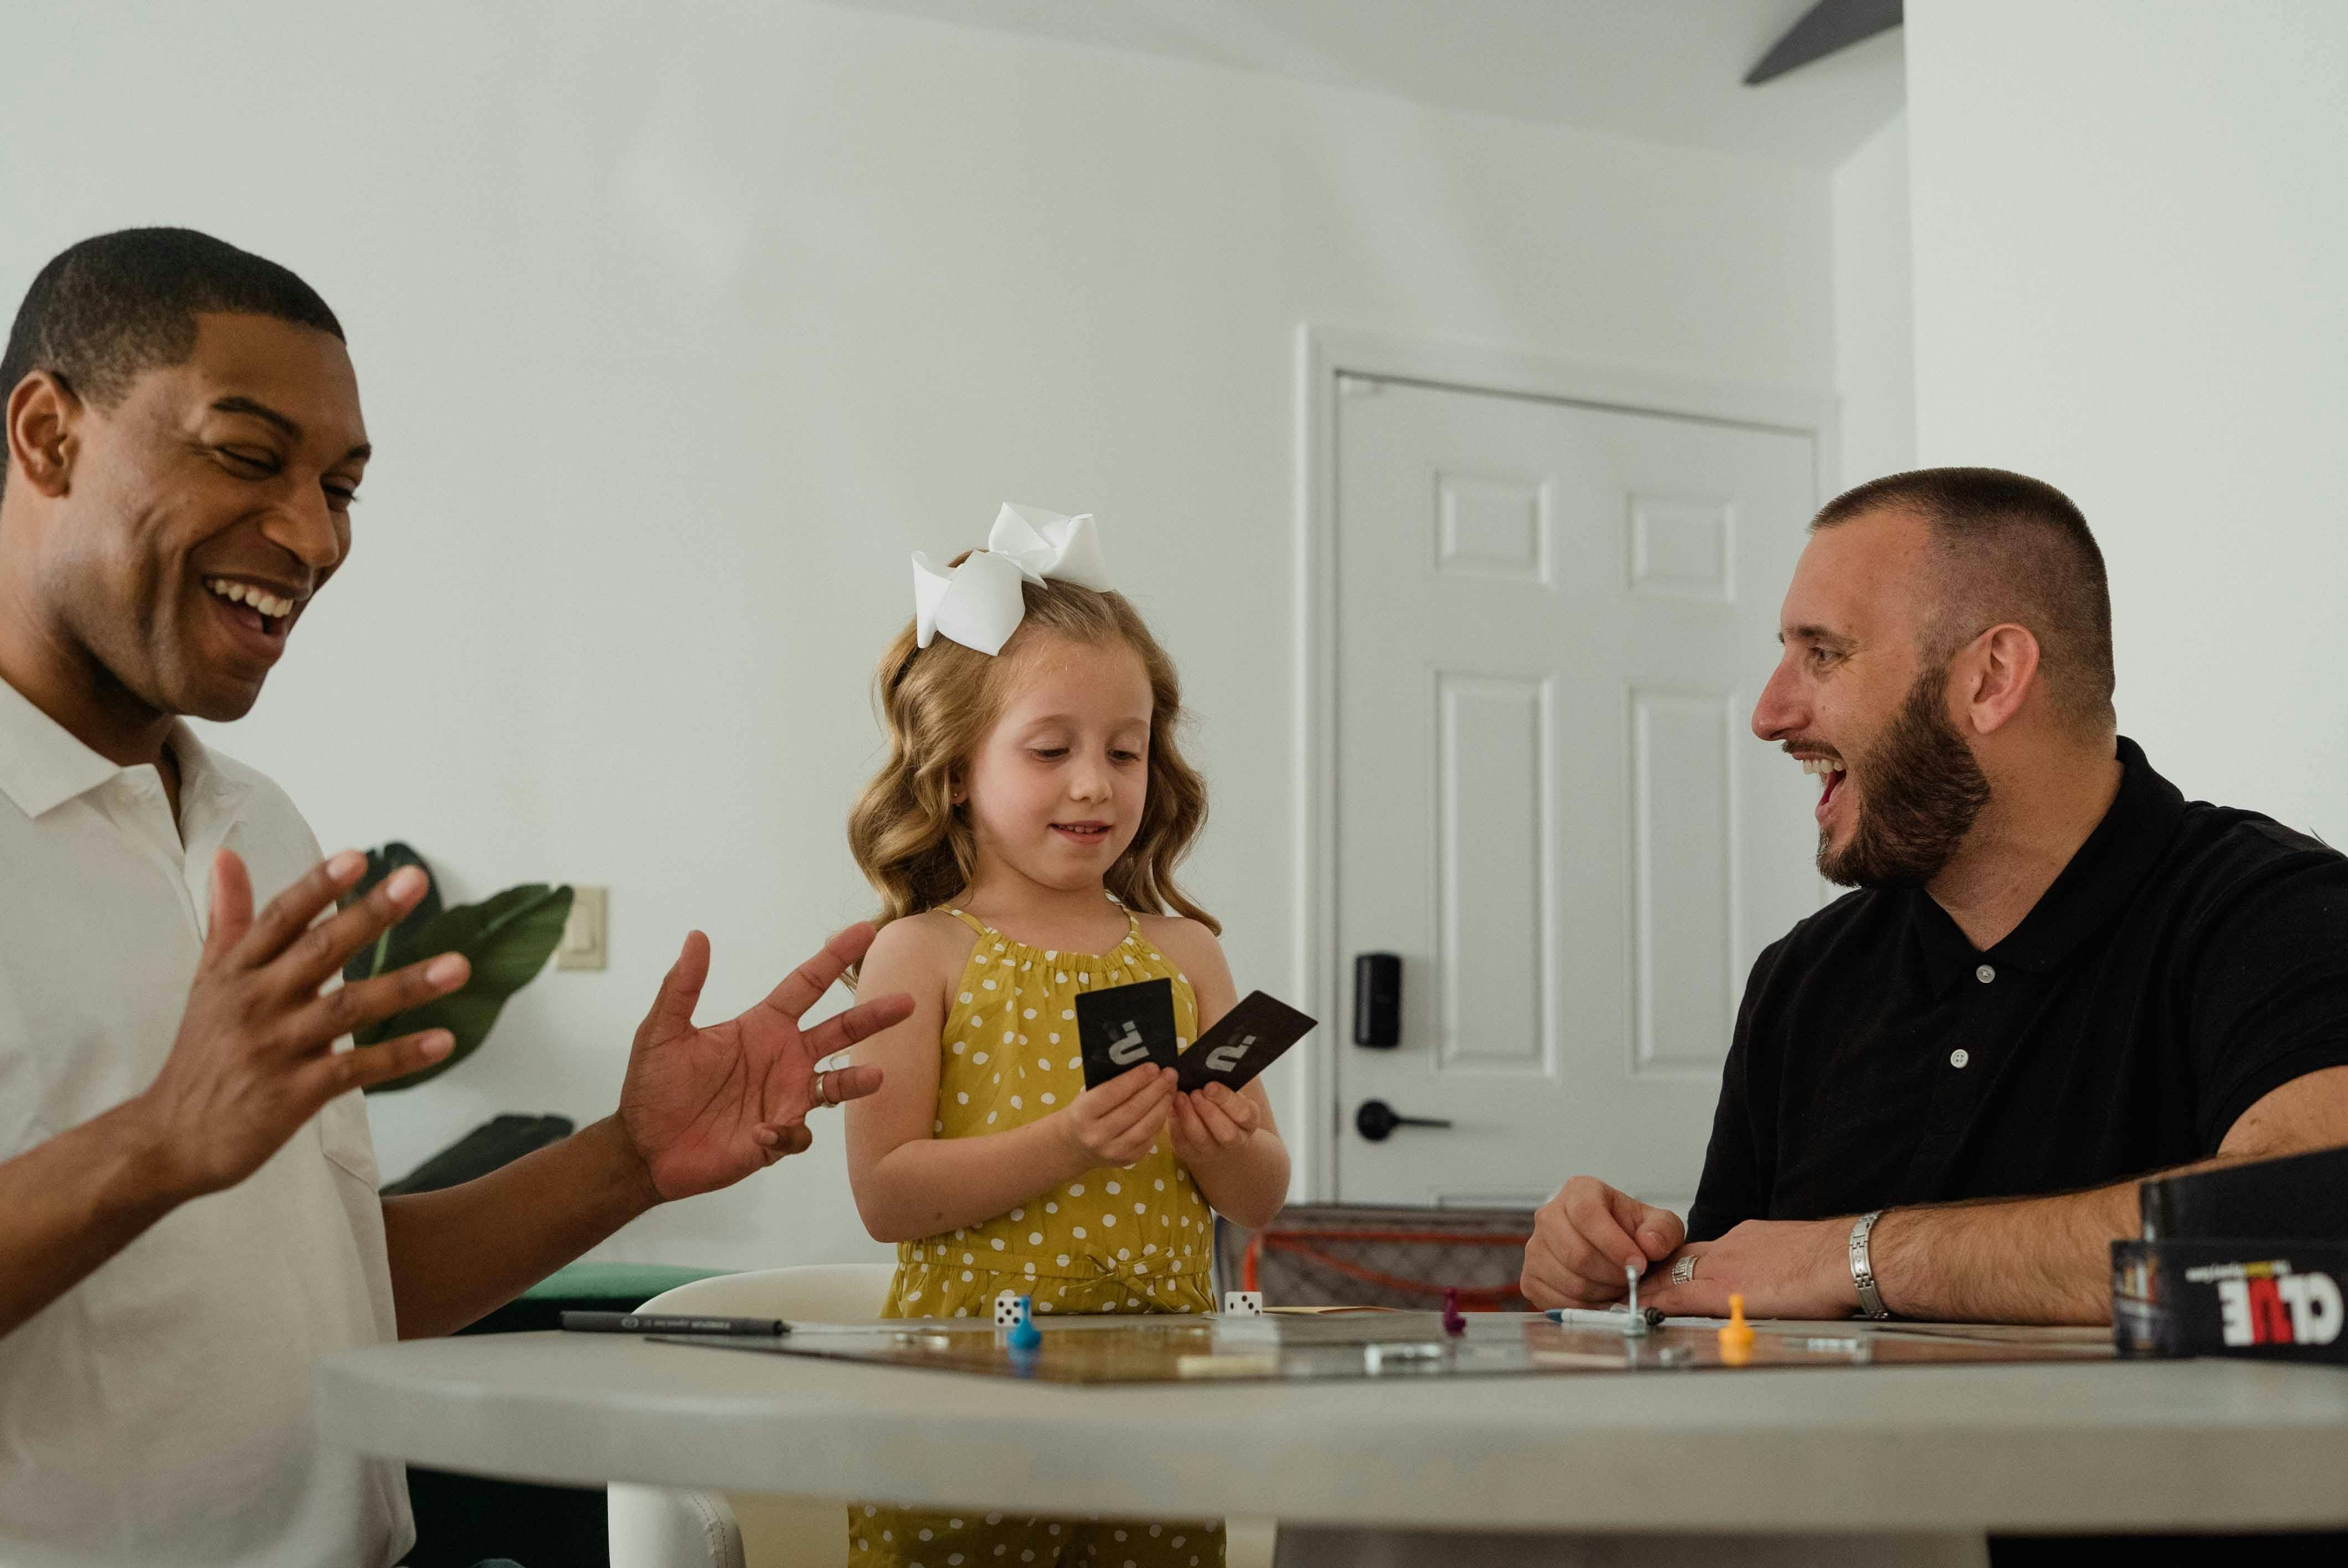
column 1551, row 623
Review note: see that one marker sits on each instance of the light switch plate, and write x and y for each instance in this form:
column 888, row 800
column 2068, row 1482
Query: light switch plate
column 582, row 946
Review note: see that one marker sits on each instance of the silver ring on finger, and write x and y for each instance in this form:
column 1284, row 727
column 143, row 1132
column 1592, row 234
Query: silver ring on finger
column 1685, row 1269
column 823, row 1088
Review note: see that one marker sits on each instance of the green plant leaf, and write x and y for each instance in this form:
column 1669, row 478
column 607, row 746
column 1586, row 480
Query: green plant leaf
column 383, row 954
column 507, row 939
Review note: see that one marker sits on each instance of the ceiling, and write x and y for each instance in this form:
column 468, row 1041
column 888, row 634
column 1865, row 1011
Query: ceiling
column 1662, row 70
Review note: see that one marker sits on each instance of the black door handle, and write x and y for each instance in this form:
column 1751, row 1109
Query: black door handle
column 1377, row 1121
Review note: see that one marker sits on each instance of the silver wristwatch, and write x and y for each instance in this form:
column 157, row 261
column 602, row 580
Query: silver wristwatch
column 1862, row 1274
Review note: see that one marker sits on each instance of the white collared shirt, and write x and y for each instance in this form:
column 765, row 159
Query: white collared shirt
column 159, row 1412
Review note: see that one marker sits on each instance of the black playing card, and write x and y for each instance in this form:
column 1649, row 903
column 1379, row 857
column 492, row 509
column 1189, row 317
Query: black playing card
column 1244, row 1043
column 1123, row 1027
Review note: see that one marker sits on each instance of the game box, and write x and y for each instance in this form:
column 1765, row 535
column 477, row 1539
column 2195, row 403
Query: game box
column 2270, row 1300
column 2299, row 1197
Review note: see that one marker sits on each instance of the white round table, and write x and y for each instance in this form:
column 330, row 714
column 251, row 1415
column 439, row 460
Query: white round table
column 1492, row 1471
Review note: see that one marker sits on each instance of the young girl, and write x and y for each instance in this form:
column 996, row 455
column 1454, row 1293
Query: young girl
column 1022, row 835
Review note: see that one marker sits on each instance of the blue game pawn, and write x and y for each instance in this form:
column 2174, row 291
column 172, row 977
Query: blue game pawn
column 1024, row 1335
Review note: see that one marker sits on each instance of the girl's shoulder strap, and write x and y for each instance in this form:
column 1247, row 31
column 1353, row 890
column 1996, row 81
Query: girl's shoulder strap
column 1142, row 939
column 969, row 919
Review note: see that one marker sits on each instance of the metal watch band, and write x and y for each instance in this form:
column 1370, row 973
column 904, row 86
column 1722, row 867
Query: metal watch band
column 1862, row 1274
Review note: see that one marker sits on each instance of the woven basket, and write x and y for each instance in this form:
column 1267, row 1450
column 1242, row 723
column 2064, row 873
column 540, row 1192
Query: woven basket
column 1340, row 1254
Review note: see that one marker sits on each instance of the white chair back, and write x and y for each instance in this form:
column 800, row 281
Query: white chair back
column 660, row 1527
column 666, row 1527
column 815, row 1292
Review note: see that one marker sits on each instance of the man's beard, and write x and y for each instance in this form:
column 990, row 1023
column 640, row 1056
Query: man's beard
column 1923, row 793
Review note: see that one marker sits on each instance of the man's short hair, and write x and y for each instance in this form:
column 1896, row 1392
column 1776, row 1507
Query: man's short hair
column 2011, row 548
column 106, row 310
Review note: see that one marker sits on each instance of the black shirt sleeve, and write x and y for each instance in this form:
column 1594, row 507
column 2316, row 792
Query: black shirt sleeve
column 2267, row 994
column 1735, row 1185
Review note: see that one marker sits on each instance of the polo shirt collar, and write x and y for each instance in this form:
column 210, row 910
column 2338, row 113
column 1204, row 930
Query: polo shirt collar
column 2100, row 879
column 43, row 764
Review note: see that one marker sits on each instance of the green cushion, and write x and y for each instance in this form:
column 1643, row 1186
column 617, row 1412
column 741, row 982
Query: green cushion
column 586, row 1287
column 631, row 1283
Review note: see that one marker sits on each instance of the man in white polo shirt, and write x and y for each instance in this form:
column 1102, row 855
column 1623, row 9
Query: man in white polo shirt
column 187, row 1205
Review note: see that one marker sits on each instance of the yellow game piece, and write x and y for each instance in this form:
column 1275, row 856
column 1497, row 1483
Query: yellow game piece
column 1736, row 1335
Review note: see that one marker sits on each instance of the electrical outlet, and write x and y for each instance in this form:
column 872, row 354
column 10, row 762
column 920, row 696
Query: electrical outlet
column 582, row 945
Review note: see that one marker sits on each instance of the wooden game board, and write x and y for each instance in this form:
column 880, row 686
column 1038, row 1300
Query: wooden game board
column 1190, row 1350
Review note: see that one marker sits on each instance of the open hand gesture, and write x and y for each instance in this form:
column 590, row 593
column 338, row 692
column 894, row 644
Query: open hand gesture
column 256, row 1055
column 706, row 1107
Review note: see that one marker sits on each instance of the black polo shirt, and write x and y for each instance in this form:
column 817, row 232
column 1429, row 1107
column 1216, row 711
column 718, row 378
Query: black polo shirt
column 2190, row 958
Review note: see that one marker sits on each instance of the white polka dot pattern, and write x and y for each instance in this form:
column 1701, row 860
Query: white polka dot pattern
column 901, row 1538
column 1062, row 1244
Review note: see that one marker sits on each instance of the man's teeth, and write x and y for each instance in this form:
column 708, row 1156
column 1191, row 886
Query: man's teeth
column 269, row 604
column 1820, row 766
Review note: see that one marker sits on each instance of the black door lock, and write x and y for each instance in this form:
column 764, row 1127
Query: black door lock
column 1377, row 1001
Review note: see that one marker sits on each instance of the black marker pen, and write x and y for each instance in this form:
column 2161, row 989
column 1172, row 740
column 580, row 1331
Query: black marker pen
column 668, row 1323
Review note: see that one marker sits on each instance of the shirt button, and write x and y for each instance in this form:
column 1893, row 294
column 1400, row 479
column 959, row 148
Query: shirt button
column 1984, row 975
column 1958, row 1057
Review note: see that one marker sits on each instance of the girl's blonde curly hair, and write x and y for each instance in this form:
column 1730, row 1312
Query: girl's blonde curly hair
column 915, row 847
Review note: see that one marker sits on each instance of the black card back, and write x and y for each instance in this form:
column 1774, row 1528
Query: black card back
column 1123, row 1027
column 1244, row 1043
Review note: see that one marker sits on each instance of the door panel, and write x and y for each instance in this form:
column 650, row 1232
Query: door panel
column 1491, row 974
column 1552, row 620
column 1683, row 861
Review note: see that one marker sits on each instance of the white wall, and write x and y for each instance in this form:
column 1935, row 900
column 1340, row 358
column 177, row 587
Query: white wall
column 675, row 339
column 1875, row 329
column 2130, row 217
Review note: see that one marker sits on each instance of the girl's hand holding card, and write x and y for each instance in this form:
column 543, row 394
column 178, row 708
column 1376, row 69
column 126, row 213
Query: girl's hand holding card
column 1211, row 1120
column 1118, row 1121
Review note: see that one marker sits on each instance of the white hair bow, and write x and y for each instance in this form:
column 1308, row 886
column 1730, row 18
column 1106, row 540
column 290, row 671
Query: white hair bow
column 978, row 603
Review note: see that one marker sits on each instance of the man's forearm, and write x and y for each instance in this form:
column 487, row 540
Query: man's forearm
column 2026, row 1260
column 2049, row 1260
column 70, row 1203
column 467, row 1250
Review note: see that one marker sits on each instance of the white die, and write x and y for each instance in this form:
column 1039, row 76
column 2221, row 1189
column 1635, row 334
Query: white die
column 1006, row 1309
column 1244, row 1304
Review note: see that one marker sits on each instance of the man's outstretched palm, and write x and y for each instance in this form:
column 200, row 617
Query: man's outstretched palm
column 706, row 1107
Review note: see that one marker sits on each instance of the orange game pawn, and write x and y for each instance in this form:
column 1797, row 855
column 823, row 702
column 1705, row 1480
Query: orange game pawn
column 1736, row 1335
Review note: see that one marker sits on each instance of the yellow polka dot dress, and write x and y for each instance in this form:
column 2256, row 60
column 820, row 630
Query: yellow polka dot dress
column 984, row 1538
column 1135, row 1240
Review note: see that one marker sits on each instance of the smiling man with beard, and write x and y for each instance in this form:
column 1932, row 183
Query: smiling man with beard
column 187, row 1205
column 2056, row 975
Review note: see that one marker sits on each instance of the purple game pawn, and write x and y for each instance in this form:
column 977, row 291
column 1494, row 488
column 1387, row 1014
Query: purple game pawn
column 1452, row 1322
